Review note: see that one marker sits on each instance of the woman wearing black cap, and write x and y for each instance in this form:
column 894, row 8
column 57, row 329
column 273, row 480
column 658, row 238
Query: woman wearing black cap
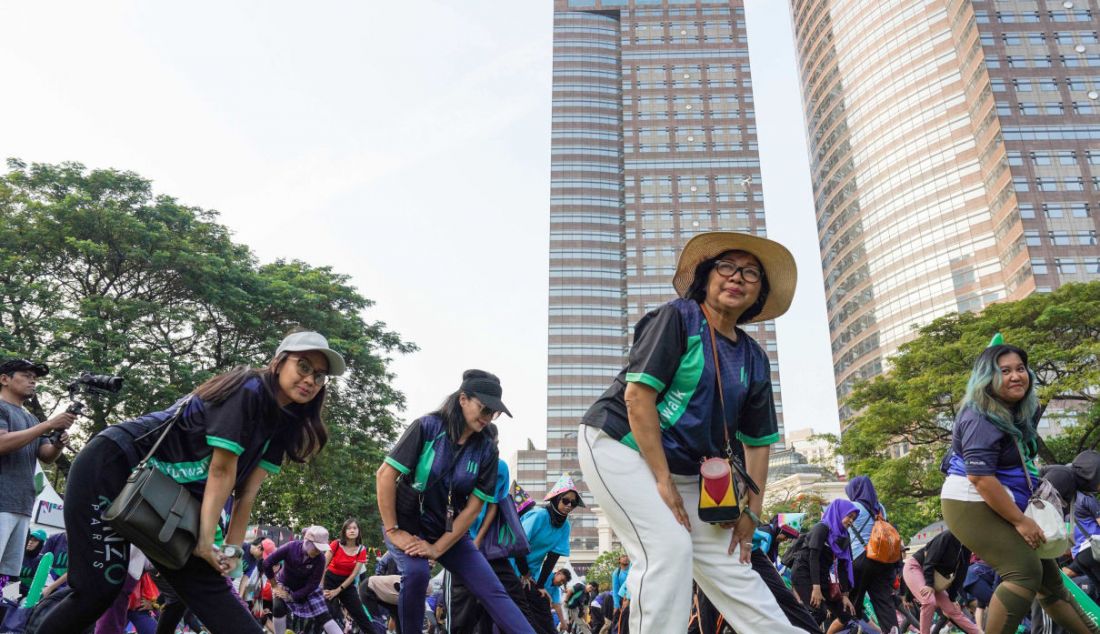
column 695, row 386
column 232, row 431
column 431, row 487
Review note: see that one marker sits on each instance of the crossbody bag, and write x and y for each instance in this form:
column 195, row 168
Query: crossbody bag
column 723, row 482
column 156, row 513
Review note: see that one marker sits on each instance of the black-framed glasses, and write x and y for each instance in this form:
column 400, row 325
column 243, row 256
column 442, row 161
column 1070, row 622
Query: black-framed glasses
column 750, row 273
column 305, row 369
column 570, row 502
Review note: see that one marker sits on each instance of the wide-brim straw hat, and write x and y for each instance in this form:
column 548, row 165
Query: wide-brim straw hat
column 778, row 263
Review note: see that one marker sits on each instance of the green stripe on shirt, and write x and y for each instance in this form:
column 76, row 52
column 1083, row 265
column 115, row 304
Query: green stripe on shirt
column 770, row 439
column 646, row 379
column 485, row 496
column 225, row 444
column 270, row 467
column 397, row 465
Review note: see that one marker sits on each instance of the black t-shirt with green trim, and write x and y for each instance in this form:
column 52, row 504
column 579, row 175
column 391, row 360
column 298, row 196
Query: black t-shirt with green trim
column 248, row 423
column 672, row 354
column 433, row 465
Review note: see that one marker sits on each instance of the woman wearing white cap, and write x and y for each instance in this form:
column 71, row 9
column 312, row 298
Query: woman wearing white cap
column 695, row 387
column 232, row 431
column 297, row 588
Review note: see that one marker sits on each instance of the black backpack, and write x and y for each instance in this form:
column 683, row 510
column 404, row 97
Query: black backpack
column 794, row 551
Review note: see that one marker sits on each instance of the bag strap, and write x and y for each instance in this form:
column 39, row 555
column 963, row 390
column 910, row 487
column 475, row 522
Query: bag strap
column 167, row 426
column 718, row 372
column 1023, row 465
column 734, row 462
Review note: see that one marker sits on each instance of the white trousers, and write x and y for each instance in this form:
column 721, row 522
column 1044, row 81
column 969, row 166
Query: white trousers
column 664, row 556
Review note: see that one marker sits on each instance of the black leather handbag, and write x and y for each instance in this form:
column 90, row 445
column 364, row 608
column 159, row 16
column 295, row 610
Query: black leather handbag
column 156, row 513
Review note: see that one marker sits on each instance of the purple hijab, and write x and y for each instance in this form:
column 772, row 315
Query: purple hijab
column 833, row 517
column 860, row 489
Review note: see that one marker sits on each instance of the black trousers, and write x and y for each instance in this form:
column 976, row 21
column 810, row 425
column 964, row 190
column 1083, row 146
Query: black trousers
column 349, row 598
column 876, row 580
column 797, row 613
column 537, row 610
column 98, row 557
column 466, row 614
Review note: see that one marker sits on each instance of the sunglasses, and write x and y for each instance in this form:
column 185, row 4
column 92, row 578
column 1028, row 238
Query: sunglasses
column 305, row 369
column 570, row 502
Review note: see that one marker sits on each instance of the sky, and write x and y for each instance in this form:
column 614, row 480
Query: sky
column 405, row 144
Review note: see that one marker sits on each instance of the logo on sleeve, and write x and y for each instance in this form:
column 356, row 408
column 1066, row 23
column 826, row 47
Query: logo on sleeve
column 471, row 466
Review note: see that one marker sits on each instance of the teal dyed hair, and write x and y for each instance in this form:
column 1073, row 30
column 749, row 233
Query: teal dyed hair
column 1016, row 420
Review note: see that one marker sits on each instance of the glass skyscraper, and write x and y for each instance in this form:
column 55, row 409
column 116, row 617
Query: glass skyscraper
column 955, row 157
column 653, row 141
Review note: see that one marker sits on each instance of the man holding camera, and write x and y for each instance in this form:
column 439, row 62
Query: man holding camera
column 22, row 442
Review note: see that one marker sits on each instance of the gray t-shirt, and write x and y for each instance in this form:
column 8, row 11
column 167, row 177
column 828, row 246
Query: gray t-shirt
column 17, row 467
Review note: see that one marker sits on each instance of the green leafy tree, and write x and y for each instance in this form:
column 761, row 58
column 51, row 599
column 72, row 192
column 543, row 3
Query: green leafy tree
column 98, row 273
column 601, row 569
column 916, row 402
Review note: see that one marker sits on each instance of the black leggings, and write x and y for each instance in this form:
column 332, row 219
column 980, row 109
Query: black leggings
column 98, row 557
column 349, row 598
column 875, row 579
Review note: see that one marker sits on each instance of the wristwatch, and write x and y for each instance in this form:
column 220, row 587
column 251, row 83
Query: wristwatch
column 229, row 550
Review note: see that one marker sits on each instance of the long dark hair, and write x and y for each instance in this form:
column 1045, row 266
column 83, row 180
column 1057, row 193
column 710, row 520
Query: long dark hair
column 698, row 289
column 312, row 434
column 344, row 532
column 450, row 410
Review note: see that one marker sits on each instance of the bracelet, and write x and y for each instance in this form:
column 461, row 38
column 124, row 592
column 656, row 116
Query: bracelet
column 754, row 517
column 392, row 529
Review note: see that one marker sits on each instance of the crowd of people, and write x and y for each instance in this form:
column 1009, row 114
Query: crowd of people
column 675, row 452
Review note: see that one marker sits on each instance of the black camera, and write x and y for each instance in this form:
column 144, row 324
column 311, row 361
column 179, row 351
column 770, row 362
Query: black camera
column 94, row 385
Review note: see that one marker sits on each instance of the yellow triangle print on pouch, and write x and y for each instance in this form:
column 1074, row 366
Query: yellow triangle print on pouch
column 717, row 490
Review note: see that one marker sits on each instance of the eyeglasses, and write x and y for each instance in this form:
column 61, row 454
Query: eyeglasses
column 491, row 413
column 751, row 274
column 570, row 502
column 305, row 369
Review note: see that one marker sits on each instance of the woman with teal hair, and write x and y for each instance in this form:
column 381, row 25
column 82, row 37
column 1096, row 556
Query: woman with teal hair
column 990, row 472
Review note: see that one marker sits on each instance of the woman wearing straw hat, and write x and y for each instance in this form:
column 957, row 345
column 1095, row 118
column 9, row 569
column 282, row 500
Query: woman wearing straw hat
column 693, row 382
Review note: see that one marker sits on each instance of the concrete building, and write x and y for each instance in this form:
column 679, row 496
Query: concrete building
column 954, row 157
column 653, row 141
column 789, row 488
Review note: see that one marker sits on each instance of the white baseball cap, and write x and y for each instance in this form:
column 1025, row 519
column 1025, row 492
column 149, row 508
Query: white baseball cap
column 309, row 340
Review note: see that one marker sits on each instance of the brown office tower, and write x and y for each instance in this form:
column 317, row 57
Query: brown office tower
column 954, row 150
column 654, row 141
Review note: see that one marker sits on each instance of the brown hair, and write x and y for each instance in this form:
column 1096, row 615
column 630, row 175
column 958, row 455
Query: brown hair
column 312, row 433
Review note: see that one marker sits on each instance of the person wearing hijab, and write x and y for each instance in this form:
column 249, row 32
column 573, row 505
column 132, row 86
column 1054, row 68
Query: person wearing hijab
column 990, row 473
column 827, row 555
column 873, row 578
column 547, row 529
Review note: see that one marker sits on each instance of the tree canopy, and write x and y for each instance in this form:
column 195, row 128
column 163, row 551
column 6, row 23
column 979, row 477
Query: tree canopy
column 915, row 403
column 98, row 273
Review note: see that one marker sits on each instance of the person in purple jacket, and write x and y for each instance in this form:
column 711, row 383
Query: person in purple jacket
column 297, row 588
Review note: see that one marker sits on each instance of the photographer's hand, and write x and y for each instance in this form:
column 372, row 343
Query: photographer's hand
column 62, row 421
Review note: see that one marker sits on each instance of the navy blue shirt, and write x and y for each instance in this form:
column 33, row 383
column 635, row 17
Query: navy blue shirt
column 672, row 353
column 249, row 423
column 1085, row 511
column 434, row 466
column 978, row 447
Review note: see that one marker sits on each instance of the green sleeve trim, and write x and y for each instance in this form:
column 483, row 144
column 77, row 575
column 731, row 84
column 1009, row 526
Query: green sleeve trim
column 647, row 379
column 227, row 445
column 397, row 465
column 487, row 498
column 270, row 467
column 763, row 441
column 629, row 441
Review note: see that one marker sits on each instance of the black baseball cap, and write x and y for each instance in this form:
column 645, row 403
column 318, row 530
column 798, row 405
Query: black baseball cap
column 11, row 366
column 486, row 387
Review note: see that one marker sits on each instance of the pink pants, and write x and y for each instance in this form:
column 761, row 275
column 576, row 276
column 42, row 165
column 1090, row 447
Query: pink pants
column 914, row 578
